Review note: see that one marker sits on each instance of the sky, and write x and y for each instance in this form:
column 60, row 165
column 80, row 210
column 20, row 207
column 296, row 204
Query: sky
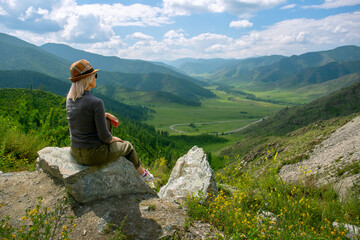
column 171, row 29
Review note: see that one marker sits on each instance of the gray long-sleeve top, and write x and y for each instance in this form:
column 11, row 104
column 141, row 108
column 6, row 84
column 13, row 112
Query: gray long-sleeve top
column 86, row 118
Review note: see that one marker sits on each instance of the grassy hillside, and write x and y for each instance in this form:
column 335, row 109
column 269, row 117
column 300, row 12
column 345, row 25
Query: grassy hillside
column 255, row 203
column 340, row 103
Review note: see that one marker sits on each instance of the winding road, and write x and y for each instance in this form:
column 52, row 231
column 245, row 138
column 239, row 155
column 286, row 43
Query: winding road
column 172, row 127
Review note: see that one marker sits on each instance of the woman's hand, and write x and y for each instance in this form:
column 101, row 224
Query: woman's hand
column 116, row 139
column 113, row 119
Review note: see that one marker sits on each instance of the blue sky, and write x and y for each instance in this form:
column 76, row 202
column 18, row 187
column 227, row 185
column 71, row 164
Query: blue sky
column 171, row 29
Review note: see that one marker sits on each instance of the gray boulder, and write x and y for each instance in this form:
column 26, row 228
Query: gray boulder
column 192, row 173
column 86, row 183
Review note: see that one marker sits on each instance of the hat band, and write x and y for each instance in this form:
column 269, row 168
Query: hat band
column 87, row 72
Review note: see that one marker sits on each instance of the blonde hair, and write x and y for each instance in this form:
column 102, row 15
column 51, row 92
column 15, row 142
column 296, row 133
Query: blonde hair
column 78, row 88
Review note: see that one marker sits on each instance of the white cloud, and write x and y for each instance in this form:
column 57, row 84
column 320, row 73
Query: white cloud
column 288, row 37
column 3, row 12
column 241, row 24
column 73, row 22
column 288, row 6
column 328, row 4
column 139, row 36
column 301, row 35
column 237, row 7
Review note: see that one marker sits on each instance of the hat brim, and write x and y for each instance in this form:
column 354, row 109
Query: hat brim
column 77, row 78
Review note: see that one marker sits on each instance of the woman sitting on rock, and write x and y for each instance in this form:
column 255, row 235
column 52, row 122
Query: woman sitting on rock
column 90, row 127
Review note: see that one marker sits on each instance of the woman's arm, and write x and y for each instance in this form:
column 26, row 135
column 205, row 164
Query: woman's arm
column 100, row 122
column 116, row 139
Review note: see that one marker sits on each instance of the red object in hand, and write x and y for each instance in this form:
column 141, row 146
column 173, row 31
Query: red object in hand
column 114, row 123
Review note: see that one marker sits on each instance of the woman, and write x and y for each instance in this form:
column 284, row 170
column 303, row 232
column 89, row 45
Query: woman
column 90, row 127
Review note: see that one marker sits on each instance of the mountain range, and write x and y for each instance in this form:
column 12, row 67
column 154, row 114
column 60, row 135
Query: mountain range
column 148, row 77
column 182, row 81
column 310, row 72
column 114, row 64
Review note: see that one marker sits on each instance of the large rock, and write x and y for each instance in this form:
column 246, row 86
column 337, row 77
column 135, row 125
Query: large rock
column 87, row 184
column 192, row 173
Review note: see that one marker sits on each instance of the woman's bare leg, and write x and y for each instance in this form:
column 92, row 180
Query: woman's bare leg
column 140, row 170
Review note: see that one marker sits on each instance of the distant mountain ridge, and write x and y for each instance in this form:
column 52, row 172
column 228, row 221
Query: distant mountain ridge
column 275, row 71
column 288, row 67
column 200, row 66
column 113, row 64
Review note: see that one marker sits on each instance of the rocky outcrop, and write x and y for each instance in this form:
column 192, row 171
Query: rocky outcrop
column 192, row 174
column 87, row 184
column 333, row 161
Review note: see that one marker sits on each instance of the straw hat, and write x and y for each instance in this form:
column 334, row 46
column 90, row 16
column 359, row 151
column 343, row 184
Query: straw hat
column 81, row 69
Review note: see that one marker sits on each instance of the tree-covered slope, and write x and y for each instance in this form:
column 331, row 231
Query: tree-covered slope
column 321, row 74
column 155, row 82
column 35, row 80
column 30, row 79
column 16, row 54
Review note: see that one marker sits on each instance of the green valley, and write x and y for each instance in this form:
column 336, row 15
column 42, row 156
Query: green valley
column 224, row 108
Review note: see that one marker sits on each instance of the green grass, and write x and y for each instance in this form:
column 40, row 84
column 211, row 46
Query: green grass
column 284, row 95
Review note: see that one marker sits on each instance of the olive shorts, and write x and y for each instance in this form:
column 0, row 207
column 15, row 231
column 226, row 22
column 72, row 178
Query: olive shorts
column 106, row 153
